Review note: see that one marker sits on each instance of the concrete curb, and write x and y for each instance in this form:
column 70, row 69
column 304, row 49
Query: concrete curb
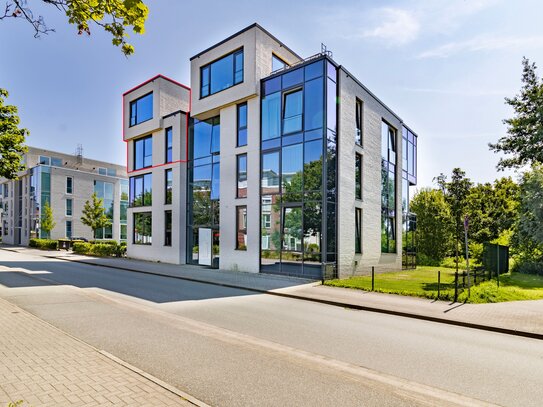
column 464, row 324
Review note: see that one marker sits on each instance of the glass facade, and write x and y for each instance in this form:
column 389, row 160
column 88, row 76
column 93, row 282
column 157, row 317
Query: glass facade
column 298, row 170
column 221, row 74
column 388, row 188
column 409, row 177
column 143, row 153
column 141, row 109
column 204, row 184
column 104, row 191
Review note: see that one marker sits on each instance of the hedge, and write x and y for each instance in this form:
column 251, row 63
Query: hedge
column 44, row 244
column 100, row 249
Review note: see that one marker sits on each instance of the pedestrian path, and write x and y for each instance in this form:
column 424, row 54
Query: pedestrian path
column 42, row 366
column 521, row 317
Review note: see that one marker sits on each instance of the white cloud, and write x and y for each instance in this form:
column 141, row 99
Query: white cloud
column 482, row 43
column 397, row 27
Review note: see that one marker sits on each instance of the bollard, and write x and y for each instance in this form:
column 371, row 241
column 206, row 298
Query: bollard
column 455, row 286
column 372, row 278
column 438, row 283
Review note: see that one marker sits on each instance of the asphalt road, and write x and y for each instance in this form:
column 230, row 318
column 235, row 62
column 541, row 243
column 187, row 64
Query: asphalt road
column 231, row 347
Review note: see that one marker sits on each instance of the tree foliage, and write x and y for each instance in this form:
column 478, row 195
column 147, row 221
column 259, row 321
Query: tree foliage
column 12, row 139
column 114, row 16
column 524, row 139
column 47, row 220
column 94, row 214
column 434, row 231
column 529, row 233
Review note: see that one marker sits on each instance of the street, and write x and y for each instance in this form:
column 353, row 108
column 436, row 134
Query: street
column 232, row 347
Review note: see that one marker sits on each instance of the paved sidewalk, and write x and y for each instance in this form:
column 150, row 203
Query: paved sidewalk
column 520, row 317
column 43, row 366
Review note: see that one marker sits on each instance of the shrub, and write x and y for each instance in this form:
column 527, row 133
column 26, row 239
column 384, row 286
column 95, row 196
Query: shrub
column 81, row 247
column 528, row 267
column 44, row 244
column 110, row 242
column 103, row 249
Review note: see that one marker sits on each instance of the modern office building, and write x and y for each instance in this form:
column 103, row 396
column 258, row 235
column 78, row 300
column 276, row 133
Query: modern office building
column 66, row 182
column 280, row 165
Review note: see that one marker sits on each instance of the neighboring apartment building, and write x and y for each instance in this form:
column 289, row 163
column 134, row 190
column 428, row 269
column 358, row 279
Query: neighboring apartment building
column 292, row 166
column 66, row 182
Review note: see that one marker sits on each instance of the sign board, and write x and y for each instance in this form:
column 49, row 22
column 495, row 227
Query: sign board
column 205, row 246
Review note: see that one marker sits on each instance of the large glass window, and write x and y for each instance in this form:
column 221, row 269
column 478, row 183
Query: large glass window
column 313, row 104
column 69, row 185
column 206, row 137
column 167, row 228
column 221, row 74
column 104, row 191
column 388, row 188
column 271, row 116
column 242, row 125
column 358, row 176
column 143, row 153
column 291, row 171
column 270, row 173
column 358, row 231
column 141, row 109
column 241, row 228
column 241, row 176
column 169, row 144
column 292, row 112
column 143, row 228
column 359, row 111
column 141, row 190
column 168, row 179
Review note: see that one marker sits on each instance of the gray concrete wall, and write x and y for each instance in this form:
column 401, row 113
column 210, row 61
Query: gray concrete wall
column 374, row 113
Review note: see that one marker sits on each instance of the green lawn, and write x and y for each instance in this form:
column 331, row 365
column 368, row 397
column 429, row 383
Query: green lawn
column 422, row 282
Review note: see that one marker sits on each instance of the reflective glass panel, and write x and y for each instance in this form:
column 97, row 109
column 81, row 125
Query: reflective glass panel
column 292, row 113
column 271, row 116
column 292, row 166
column 313, row 166
column 313, row 71
column 270, row 173
column 292, row 78
column 313, row 104
column 222, row 74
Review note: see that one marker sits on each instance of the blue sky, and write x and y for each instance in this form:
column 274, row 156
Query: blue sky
column 443, row 66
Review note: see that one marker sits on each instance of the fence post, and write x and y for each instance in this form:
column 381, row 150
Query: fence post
column 438, row 283
column 455, row 286
column 372, row 278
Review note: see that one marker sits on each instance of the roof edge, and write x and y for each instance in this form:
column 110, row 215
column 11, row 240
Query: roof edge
column 152, row 79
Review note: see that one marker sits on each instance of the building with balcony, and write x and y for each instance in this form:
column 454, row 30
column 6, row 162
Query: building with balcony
column 292, row 166
column 65, row 182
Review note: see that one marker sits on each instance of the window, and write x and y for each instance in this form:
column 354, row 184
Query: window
column 123, row 232
column 111, row 172
column 169, row 145
column 358, row 135
column 56, row 162
column 141, row 190
column 69, row 207
column 167, row 228
column 358, row 231
column 292, row 112
column 102, row 171
column 105, row 191
column 168, row 187
column 241, row 228
column 6, row 190
column 277, row 63
column 242, row 125
column 388, row 188
column 143, row 153
column 271, row 116
column 45, row 160
column 69, row 229
column 69, row 185
column 358, row 176
column 141, row 109
column 242, row 176
column 143, row 225
column 270, row 173
column 221, row 74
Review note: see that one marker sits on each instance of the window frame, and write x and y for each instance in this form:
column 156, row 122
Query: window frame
column 243, row 230
column 142, row 140
column 68, row 235
column 168, row 132
column 241, row 128
column 145, row 214
column 238, row 158
column 70, row 190
column 130, row 200
column 278, row 58
column 166, row 200
column 285, row 94
column 358, row 230
column 135, row 103
column 359, row 194
column 71, row 207
column 207, row 67
column 359, row 122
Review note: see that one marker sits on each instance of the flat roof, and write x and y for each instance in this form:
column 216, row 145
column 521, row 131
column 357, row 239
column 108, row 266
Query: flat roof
column 241, row 32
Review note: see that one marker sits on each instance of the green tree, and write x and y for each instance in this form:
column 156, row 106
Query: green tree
column 529, row 234
column 94, row 214
column 114, row 16
column 47, row 220
column 434, row 232
column 524, row 139
column 12, row 139
column 456, row 192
